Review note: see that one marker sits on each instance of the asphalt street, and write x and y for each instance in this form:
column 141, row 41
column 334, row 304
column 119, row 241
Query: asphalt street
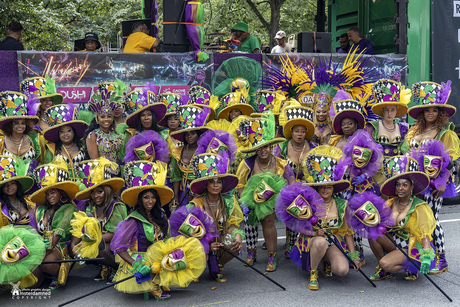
column 244, row 287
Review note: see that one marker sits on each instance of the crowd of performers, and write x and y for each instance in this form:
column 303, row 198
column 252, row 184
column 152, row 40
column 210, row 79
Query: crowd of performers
column 152, row 186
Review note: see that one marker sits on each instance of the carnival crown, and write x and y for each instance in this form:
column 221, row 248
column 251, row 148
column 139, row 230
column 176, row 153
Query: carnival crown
column 104, row 102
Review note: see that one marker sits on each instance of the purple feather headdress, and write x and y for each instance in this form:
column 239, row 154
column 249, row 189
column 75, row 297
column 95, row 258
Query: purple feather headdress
column 292, row 194
column 433, row 148
column 32, row 104
column 341, row 95
column 104, row 102
column 362, row 138
column 180, row 215
column 354, row 215
column 160, row 149
column 206, row 141
column 201, row 117
column 444, row 93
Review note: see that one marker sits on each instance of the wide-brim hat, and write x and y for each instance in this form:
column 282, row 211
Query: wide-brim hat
column 158, row 109
column 425, row 93
column 63, row 115
column 390, row 93
column 12, row 169
column 260, row 131
column 272, row 142
column 208, row 166
column 229, row 105
column 57, row 98
column 403, row 167
column 52, row 134
column 145, row 175
column 15, row 105
column 339, row 186
column 347, row 108
column 40, row 83
column 191, row 118
column 296, row 115
column 200, row 96
column 401, row 108
column 115, row 183
column 172, row 102
column 130, row 195
column 92, row 37
column 71, row 188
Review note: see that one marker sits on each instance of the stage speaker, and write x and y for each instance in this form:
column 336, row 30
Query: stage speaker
column 314, row 42
column 175, row 38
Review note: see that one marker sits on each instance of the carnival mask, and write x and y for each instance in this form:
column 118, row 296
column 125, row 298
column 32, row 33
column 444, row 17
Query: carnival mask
column 14, row 251
column 145, row 152
column 192, row 227
column 86, row 237
column 300, row 208
column 263, row 192
column 368, row 214
column 174, row 261
column 361, row 156
column 432, row 165
column 215, row 146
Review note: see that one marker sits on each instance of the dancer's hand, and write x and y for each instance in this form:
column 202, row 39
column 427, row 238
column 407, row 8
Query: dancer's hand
column 358, row 265
column 237, row 246
column 215, row 246
column 438, row 193
column 320, row 232
column 358, row 180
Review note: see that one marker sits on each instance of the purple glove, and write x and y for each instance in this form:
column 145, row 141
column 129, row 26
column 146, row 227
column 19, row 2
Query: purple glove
column 358, row 180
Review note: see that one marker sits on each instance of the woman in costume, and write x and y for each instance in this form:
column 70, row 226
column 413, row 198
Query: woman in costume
column 414, row 222
column 260, row 178
column 192, row 121
column 212, row 184
column 392, row 99
column 15, row 206
column 45, row 89
column 433, row 159
column 18, row 112
column 322, row 121
column 98, row 199
column 171, row 119
column 144, row 226
column 144, row 113
column 51, row 218
column 315, row 245
column 101, row 138
column 64, row 137
column 432, row 114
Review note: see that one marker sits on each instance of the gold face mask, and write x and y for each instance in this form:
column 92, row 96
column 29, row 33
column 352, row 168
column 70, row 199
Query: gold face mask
column 361, row 156
column 14, row 251
column 174, row 261
column 192, row 227
column 215, row 146
column 263, row 192
column 368, row 214
column 432, row 165
column 300, row 208
column 145, row 152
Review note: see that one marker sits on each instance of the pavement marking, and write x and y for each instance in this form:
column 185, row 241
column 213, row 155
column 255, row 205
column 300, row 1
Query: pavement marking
column 449, row 221
column 212, row 304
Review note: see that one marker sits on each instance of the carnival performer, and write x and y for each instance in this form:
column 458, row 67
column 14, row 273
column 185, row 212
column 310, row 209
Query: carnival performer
column 120, row 90
column 414, row 222
column 316, row 245
column 212, row 184
column 432, row 114
column 392, row 100
column 144, row 114
column 201, row 97
column 192, row 120
column 298, row 130
column 322, row 120
column 98, row 199
column 147, row 224
column 18, row 112
column 260, row 177
column 51, row 218
column 433, row 159
column 64, row 137
column 101, row 138
column 171, row 119
column 43, row 88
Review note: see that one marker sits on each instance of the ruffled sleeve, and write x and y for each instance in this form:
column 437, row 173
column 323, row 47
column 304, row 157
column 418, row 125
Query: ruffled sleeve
column 119, row 213
column 242, row 174
column 126, row 235
column 421, row 222
column 289, row 174
column 450, row 139
column 235, row 217
column 33, row 218
column 61, row 220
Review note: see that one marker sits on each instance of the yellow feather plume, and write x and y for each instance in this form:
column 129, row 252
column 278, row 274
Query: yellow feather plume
column 405, row 95
column 214, row 102
column 161, row 170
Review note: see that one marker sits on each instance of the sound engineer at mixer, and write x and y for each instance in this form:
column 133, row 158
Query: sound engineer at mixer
column 249, row 43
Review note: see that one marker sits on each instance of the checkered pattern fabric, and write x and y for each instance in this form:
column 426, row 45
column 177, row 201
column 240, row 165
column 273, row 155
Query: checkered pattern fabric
column 252, row 234
column 59, row 114
column 340, row 106
column 231, row 99
column 399, row 164
column 438, row 233
column 291, row 236
column 358, row 241
column 425, row 92
column 293, row 113
column 152, row 98
column 189, row 115
column 322, row 168
column 13, row 104
column 49, row 174
column 37, row 82
column 136, row 100
column 264, row 100
column 253, row 130
column 401, row 243
column 85, row 168
column 8, row 168
column 140, row 173
column 30, row 154
column 386, row 90
column 208, row 164
column 172, row 101
column 199, row 95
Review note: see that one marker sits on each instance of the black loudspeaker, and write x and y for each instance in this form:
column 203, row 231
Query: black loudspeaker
column 175, row 38
column 314, row 42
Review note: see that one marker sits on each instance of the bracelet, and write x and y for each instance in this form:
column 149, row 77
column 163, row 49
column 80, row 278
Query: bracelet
column 354, row 256
column 235, row 231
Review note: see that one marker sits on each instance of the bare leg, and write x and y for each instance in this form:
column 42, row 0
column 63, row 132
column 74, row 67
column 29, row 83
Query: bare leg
column 392, row 262
column 52, row 269
column 339, row 264
column 269, row 230
column 381, row 246
column 318, row 249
